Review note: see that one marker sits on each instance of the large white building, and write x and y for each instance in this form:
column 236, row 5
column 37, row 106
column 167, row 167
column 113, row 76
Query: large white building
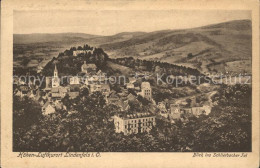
column 134, row 123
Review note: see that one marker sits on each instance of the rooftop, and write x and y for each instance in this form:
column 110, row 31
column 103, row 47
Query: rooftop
column 92, row 66
column 137, row 115
column 145, row 85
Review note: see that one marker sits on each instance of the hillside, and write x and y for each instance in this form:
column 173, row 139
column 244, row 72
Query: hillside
column 40, row 48
column 220, row 47
column 214, row 48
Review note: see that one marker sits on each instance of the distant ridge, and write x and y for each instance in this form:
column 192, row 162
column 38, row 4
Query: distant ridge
column 48, row 37
column 235, row 24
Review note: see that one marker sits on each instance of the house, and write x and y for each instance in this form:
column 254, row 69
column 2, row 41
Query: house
column 131, row 97
column 103, row 88
column 123, row 105
column 74, row 80
column 45, row 95
column 41, row 101
column 39, row 69
column 48, row 81
column 101, row 76
column 162, row 106
column 93, row 79
column 164, row 114
column 48, row 108
column 31, row 94
column 132, row 80
column 16, row 80
column 58, row 104
column 58, row 92
column 84, row 67
column 196, row 111
column 207, row 109
column 88, row 68
column 130, row 86
column 38, row 94
column 134, row 123
column 24, row 91
column 137, row 88
column 74, row 87
column 123, row 93
column 18, row 93
column 94, row 88
column 73, row 95
column 113, row 98
column 175, row 111
column 91, row 67
column 24, row 88
column 146, row 90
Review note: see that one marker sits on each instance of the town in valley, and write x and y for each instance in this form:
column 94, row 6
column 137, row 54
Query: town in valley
column 84, row 100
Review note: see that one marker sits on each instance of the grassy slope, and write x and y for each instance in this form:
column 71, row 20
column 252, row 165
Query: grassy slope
column 214, row 46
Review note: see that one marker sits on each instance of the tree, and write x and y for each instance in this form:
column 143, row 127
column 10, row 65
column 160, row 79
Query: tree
column 190, row 55
column 143, row 100
column 135, row 106
column 84, row 92
column 188, row 100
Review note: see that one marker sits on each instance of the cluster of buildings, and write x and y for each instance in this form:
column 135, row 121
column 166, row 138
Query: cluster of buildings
column 178, row 112
column 91, row 79
column 126, row 121
column 96, row 81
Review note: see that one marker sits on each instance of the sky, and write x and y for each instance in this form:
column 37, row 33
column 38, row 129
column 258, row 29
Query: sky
column 110, row 22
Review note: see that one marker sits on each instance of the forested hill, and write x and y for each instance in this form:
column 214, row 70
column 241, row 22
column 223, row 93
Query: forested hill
column 70, row 65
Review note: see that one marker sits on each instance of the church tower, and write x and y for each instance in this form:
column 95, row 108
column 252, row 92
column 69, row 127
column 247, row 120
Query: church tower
column 55, row 71
column 55, row 79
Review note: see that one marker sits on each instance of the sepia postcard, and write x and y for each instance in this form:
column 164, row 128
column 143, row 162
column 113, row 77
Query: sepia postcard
column 127, row 83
